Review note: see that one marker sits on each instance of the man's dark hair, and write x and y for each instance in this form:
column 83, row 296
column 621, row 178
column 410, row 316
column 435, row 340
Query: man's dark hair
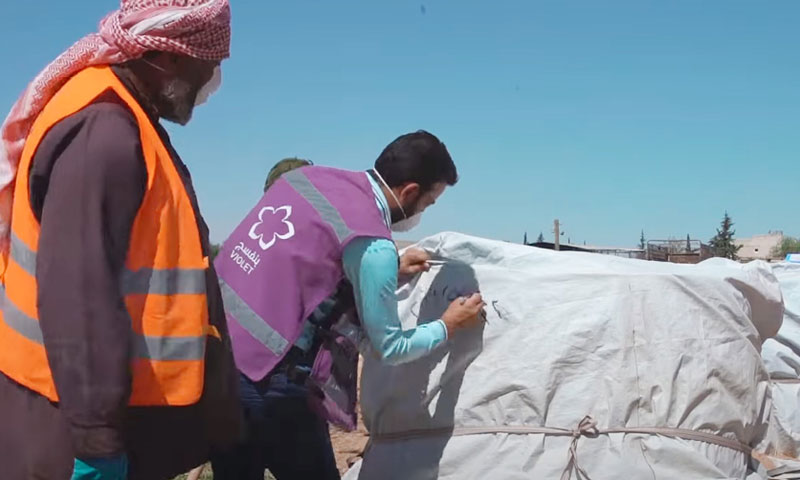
column 417, row 157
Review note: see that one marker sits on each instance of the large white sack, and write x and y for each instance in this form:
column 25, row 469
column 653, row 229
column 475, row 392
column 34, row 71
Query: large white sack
column 782, row 356
column 782, row 353
column 630, row 343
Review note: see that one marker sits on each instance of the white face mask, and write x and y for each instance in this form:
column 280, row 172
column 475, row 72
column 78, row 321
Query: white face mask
column 210, row 87
column 407, row 223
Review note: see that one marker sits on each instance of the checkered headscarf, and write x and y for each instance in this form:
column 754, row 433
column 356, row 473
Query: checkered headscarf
column 197, row 28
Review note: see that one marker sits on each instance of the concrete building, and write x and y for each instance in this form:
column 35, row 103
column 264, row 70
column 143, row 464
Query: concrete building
column 760, row 247
column 678, row 251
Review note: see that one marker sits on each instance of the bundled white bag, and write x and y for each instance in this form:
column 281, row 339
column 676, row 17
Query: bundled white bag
column 617, row 368
column 782, row 357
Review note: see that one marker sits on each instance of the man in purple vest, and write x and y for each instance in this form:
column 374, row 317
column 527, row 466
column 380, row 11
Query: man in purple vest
column 318, row 238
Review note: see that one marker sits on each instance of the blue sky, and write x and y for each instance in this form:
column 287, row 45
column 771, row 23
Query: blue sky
column 614, row 116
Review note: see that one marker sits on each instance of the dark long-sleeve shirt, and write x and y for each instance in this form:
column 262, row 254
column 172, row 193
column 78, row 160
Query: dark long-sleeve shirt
column 86, row 192
column 87, row 183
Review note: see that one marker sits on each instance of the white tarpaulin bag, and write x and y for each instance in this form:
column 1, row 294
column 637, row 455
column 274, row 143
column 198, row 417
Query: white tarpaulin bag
column 622, row 369
column 782, row 357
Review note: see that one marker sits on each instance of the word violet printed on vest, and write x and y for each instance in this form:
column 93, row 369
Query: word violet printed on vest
column 273, row 224
column 247, row 258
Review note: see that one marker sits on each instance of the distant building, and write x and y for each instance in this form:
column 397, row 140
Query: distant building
column 613, row 251
column 760, row 247
column 678, row 251
column 673, row 251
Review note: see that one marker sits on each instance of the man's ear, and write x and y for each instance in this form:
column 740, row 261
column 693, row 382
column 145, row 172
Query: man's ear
column 410, row 193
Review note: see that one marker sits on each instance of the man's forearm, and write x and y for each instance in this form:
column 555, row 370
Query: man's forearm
column 371, row 266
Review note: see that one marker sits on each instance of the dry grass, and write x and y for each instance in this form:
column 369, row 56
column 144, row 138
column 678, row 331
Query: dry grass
column 208, row 475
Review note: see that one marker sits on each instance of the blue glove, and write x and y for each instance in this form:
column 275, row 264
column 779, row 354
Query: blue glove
column 114, row 468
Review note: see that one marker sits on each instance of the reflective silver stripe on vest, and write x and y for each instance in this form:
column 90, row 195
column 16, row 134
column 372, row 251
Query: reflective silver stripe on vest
column 19, row 321
column 172, row 281
column 146, row 347
column 146, row 281
column 169, row 348
column 251, row 321
column 22, row 255
column 302, row 185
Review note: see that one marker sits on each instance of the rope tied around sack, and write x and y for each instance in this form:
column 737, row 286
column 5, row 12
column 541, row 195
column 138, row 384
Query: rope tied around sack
column 586, row 427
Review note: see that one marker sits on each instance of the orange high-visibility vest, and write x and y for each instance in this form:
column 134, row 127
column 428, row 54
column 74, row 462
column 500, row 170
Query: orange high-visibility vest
column 163, row 282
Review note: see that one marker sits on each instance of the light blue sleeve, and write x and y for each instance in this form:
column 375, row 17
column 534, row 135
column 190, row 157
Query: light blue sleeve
column 115, row 468
column 371, row 265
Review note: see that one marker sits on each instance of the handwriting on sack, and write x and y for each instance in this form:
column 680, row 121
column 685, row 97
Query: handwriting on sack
column 441, row 297
column 447, row 294
column 247, row 258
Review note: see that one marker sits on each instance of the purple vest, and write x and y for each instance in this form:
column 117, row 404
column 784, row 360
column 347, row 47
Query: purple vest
column 285, row 258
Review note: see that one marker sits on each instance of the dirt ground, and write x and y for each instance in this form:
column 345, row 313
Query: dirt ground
column 348, row 446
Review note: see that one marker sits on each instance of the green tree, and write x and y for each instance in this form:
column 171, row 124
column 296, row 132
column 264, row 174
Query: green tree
column 787, row 246
column 541, row 238
column 214, row 250
column 722, row 244
column 642, row 243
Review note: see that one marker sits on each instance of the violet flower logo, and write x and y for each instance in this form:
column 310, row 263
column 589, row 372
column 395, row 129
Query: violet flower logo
column 272, row 228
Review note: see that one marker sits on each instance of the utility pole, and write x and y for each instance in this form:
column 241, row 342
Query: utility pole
column 556, row 230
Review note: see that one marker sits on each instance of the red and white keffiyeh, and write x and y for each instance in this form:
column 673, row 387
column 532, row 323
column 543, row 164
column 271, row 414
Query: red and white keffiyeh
column 198, row 28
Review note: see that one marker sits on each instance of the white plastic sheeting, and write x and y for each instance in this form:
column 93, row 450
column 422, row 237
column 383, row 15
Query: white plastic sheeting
column 782, row 357
column 636, row 346
column 782, row 353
